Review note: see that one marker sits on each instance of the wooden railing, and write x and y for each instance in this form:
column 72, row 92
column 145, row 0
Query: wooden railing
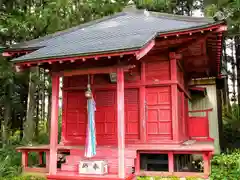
column 198, row 126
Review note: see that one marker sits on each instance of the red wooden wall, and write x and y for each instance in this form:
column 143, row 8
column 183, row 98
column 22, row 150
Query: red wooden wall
column 151, row 79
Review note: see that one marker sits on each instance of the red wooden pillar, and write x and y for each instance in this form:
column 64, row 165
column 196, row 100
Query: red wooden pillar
column 170, row 162
column 54, row 125
column 174, row 96
column 40, row 157
column 137, row 163
column 120, row 122
column 24, row 159
column 206, row 162
column 47, row 160
column 184, row 124
column 142, row 104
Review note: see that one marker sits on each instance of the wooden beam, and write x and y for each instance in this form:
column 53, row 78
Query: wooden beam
column 121, row 122
column 98, row 70
column 6, row 54
column 222, row 28
column 185, row 46
column 196, row 58
column 54, row 125
column 145, row 50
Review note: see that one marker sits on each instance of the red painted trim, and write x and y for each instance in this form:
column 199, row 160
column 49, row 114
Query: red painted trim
column 6, row 54
column 54, row 125
column 175, row 174
column 207, row 139
column 145, row 50
column 121, row 122
column 180, row 86
column 127, row 85
column 77, row 58
column 205, row 110
column 191, row 31
column 175, row 152
column 197, row 89
column 222, row 28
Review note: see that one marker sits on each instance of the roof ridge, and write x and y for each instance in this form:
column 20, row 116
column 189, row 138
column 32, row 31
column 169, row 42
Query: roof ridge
column 171, row 16
column 183, row 18
column 68, row 30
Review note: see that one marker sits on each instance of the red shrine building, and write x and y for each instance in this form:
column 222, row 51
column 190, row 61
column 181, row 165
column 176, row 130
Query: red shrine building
column 141, row 68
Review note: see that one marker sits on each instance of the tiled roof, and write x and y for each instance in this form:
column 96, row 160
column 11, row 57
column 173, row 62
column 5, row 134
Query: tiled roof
column 123, row 31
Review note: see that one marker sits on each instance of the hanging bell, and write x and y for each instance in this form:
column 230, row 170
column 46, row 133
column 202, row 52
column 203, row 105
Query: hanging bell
column 88, row 93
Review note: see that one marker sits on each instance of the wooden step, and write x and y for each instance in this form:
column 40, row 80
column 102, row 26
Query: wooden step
column 65, row 175
column 76, row 159
column 69, row 167
column 112, row 169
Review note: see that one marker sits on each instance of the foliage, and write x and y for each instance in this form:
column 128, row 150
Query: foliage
column 158, row 178
column 226, row 166
column 232, row 116
column 28, row 177
column 25, row 20
column 230, row 10
column 183, row 7
column 231, row 126
column 166, row 178
column 10, row 162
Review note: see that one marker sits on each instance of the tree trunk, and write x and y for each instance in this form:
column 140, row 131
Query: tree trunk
column 5, row 125
column 226, row 89
column 237, row 55
column 29, row 126
column 233, row 72
column 6, row 121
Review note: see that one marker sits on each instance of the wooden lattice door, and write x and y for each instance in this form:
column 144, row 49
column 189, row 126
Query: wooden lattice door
column 158, row 113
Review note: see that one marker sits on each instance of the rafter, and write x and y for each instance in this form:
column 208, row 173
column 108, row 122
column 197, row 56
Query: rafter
column 186, row 45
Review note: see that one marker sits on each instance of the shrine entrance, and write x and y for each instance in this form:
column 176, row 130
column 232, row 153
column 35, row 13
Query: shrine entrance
column 75, row 116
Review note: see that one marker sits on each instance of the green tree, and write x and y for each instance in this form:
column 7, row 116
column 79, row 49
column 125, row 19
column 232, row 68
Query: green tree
column 28, row 19
column 181, row 7
column 229, row 10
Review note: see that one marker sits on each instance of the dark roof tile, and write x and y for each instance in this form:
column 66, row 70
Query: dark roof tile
column 128, row 30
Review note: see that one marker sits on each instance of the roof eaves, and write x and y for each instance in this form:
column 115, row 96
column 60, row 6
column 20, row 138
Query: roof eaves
column 88, row 54
column 82, row 55
column 192, row 28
